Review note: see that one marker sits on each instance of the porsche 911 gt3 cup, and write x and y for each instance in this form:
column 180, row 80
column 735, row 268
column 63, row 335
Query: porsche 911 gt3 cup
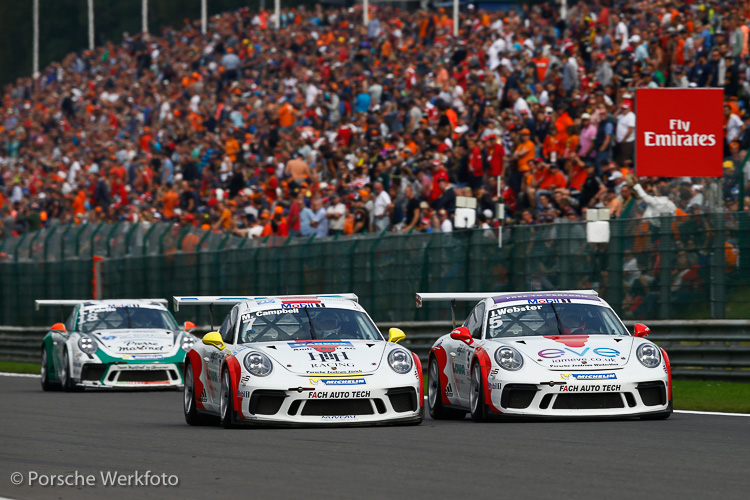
column 545, row 354
column 114, row 344
column 311, row 360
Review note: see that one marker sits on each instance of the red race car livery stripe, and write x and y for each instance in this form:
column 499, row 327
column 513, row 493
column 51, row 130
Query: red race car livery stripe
column 418, row 366
column 234, row 377
column 485, row 364
column 198, row 389
column 442, row 361
column 669, row 373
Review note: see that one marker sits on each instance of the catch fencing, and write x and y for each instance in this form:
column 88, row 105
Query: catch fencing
column 707, row 349
column 690, row 267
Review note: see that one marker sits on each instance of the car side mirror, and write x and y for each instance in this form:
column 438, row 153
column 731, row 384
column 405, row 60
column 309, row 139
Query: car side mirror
column 214, row 339
column 189, row 325
column 463, row 334
column 396, row 335
column 641, row 330
column 59, row 327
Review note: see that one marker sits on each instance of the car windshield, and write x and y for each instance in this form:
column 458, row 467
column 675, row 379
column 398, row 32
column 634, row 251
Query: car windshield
column 131, row 317
column 306, row 323
column 552, row 319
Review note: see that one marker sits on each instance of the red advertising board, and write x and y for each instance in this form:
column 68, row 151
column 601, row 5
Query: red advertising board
column 679, row 132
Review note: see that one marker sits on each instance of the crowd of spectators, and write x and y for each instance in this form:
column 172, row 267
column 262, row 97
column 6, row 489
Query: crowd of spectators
column 326, row 126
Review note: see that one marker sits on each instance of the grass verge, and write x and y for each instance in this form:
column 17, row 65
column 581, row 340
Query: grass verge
column 19, row 367
column 731, row 397
column 697, row 395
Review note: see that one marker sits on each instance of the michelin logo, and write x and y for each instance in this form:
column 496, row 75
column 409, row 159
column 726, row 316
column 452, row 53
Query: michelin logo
column 589, row 376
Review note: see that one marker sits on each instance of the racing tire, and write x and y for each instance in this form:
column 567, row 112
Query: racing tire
column 192, row 416
column 47, row 384
column 434, row 401
column 66, row 378
column 660, row 416
column 226, row 407
column 476, row 395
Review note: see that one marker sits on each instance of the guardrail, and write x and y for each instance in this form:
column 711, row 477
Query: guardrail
column 698, row 349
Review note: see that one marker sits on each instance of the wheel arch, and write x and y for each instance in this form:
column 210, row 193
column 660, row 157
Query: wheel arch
column 232, row 365
column 483, row 359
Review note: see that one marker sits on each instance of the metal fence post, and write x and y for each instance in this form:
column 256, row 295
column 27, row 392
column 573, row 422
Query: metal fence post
column 667, row 259
column 109, row 238
column 717, row 269
column 614, row 264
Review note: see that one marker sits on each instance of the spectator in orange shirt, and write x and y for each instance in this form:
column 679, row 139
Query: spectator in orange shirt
column 286, row 115
column 169, row 200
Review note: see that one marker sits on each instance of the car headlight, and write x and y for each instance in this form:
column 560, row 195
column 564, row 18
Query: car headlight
column 187, row 342
column 509, row 359
column 258, row 364
column 400, row 361
column 87, row 344
column 648, row 355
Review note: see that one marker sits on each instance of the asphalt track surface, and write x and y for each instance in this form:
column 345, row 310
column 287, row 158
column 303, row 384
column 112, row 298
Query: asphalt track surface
column 687, row 456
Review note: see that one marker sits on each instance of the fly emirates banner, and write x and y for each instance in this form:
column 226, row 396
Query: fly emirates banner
column 679, row 132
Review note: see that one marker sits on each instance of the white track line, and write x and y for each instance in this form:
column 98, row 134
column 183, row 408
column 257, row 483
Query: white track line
column 29, row 375
column 692, row 412
column 714, row 413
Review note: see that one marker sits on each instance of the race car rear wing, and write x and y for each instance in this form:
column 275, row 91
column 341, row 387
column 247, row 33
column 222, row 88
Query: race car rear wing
column 234, row 299
column 75, row 302
column 477, row 296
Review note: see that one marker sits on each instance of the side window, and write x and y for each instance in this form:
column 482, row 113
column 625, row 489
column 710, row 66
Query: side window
column 471, row 322
column 478, row 314
column 227, row 329
column 70, row 324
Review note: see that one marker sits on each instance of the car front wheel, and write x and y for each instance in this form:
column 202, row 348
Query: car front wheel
column 476, row 395
column 226, row 399
column 66, row 378
column 192, row 416
column 47, row 384
column 434, row 396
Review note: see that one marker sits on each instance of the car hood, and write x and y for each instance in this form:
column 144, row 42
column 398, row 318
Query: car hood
column 325, row 357
column 586, row 352
column 121, row 342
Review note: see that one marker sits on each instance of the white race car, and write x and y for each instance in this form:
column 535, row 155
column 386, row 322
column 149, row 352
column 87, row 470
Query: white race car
column 128, row 343
column 545, row 354
column 313, row 359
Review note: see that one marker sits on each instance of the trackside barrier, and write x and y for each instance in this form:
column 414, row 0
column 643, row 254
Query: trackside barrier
column 698, row 349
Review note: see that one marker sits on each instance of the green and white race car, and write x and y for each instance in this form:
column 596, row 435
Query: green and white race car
column 128, row 343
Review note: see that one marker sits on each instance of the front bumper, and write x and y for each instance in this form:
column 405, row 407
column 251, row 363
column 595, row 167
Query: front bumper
column 572, row 398
column 131, row 375
column 330, row 405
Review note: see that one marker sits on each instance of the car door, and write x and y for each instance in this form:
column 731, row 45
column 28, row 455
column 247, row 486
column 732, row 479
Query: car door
column 461, row 356
column 60, row 339
column 214, row 358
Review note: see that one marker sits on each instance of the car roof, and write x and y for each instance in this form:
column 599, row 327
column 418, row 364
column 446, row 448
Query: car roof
column 117, row 303
column 270, row 303
column 548, row 297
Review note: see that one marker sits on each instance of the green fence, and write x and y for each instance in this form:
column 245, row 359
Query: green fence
column 665, row 268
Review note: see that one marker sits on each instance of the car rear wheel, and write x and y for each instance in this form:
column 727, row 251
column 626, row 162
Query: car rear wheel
column 192, row 416
column 476, row 395
column 226, row 399
column 434, row 396
column 66, row 378
column 47, row 384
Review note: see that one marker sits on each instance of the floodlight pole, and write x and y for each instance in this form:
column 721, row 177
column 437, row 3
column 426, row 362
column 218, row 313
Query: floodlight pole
column 277, row 13
column 91, row 25
column 204, row 17
column 35, row 55
column 455, row 18
column 144, row 16
column 365, row 8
